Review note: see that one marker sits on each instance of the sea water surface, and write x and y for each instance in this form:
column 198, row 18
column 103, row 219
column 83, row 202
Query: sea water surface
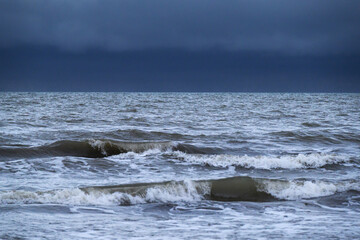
column 179, row 166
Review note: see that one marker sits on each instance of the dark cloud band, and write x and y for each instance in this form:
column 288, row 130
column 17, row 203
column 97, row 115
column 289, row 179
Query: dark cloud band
column 314, row 26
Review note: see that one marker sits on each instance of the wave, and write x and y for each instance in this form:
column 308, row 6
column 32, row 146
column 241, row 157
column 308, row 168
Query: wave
column 317, row 136
column 87, row 148
column 312, row 160
column 206, row 156
column 307, row 136
column 228, row 189
column 109, row 195
column 100, row 148
column 304, row 189
column 191, row 149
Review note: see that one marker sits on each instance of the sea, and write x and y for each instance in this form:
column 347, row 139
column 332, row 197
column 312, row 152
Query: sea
column 179, row 165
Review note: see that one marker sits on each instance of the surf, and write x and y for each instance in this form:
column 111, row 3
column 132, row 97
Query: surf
column 241, row 188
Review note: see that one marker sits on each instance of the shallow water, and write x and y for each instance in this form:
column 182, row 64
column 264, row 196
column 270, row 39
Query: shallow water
column 179, row 165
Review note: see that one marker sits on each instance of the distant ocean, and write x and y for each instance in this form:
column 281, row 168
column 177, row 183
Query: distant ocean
column 179, row 166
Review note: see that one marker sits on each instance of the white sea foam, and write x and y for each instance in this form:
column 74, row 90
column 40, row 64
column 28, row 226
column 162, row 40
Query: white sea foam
column 173, row 192
column 137, row 147
column 187, row 191
column 313, row 160
column 293, row 190
column 67, row 196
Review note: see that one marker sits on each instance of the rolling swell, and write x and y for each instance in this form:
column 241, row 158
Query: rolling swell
column 87, row 148
column 303, row 136
column 228, row 189
column 99, row 149
column 324, row 136
column 185, row 153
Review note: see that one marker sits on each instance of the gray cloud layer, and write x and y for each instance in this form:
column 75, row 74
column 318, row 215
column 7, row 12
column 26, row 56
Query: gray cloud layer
column 293, row 26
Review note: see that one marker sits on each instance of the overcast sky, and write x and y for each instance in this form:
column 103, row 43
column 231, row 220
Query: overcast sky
column 281, row 45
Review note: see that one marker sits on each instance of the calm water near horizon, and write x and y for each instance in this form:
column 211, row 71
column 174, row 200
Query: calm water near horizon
column 179, row 165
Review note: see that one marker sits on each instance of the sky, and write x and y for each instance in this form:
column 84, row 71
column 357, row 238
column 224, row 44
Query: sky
column 180, row 45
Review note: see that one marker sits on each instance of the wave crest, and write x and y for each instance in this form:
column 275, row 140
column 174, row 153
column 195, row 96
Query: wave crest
column 313, row 160
column 185, row 191
column 228, row 189
column 292, row 190
column 88, row 148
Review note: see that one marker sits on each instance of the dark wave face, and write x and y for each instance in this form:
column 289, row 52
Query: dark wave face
column 213, row 165
column 87, row 148
column 99, row 149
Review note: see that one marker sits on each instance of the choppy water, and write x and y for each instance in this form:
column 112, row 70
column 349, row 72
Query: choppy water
column 179, row 165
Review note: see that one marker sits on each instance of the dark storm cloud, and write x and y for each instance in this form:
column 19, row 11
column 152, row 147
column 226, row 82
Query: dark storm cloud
column 311, row 26
column 51, row 69
column 180, row 45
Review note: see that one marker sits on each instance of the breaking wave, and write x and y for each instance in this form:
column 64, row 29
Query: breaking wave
column 313, row 160
column 100, row 148
column 185, row 153
column 228, row 189
column 299, row 189
column 87, row 148
column 110, row 195
column 207, row 156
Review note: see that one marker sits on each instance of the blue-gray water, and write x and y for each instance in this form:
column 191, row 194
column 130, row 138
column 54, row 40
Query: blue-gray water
column 179, row 165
